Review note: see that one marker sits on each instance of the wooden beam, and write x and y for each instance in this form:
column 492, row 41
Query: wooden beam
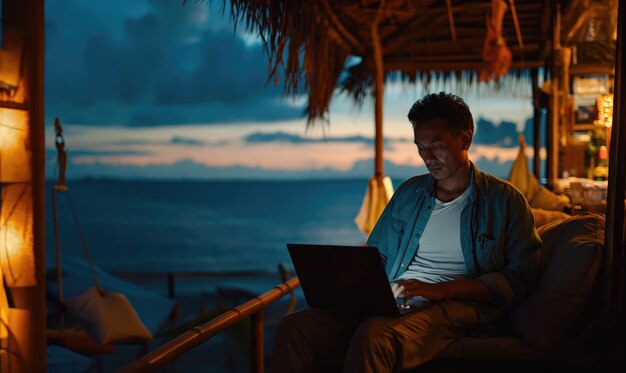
column 350, row 38
column 478, row 31
column 593, row 11
column 518, row 31
column 411, row 66
column 585, row 69
column 448, row 47
column 546, row 43
column 433, row 22
column 451, row 19
column 397, row 39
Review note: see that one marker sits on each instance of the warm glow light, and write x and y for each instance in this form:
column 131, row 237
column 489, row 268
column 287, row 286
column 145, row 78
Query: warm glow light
column 15, row 241
column 16, row 235
column 10, row 71
column 605, row 110
column 4, row 320
column 15, row 153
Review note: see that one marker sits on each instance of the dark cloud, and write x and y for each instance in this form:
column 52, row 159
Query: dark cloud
column 229, row 72
column 163, row 67
column 261, row 109
column 177, row 140
column 52, row 153
column 487, row 133
column 505, row 134
column 283, row 137
column 51, row 27
column 529, row 131
column 501, row 169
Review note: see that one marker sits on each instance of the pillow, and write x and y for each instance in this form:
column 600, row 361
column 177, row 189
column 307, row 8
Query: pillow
column 547, row 200
column 107, row 318
column 543, row 217
column 568, row 263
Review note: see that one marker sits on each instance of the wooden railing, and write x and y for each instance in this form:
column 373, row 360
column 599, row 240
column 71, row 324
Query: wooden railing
column 178, row 346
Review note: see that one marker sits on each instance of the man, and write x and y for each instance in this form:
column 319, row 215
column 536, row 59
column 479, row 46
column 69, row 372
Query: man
column 459, row 245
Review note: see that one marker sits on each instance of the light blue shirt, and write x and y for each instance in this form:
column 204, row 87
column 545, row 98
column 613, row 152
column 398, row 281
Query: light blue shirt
column 498, row 237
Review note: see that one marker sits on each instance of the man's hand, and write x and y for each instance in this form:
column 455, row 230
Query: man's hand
column 467, row 289
column 408, row 289
column 398, row 291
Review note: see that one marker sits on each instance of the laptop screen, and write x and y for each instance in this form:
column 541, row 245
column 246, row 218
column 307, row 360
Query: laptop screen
column 344, row 278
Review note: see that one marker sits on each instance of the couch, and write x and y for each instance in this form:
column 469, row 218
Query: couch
column 560, row 322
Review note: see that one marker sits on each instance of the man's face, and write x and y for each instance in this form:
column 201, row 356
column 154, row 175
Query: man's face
column 443, row 152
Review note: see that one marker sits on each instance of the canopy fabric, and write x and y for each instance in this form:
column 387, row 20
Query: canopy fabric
column 538, row 196
column 378, row 194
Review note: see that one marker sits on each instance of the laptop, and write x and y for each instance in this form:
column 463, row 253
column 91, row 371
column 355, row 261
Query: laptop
column 344, row 278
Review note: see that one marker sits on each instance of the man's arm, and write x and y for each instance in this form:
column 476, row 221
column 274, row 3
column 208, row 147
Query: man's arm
column 513, row 282
column 466, row 289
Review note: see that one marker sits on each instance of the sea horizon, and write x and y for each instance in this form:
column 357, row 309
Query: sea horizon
column 202, row 225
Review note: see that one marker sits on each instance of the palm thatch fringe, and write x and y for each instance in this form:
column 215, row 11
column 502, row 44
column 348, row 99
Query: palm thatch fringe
column 311, row 49
column 516, row 84
column 299, row 41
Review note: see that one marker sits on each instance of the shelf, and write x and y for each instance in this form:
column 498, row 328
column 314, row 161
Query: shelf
column 592, row 69
column 14, row 105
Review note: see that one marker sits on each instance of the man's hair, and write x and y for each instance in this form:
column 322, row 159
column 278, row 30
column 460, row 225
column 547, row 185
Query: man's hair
column 444, row 106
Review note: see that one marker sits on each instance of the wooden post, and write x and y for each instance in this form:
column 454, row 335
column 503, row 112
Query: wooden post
column 28, row 17
column 171, row 290
column 257, row 357
column 57, row 243
column 552, row 143
column 534, row 73
column 379, row 93
column 614, row 237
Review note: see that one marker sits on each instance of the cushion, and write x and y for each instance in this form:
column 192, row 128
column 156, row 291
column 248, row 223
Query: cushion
column 108, row 317
column 152, row 307
column 568, row 263
column 543, row 217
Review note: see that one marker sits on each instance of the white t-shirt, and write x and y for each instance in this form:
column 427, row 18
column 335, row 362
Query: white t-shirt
column 439, row 257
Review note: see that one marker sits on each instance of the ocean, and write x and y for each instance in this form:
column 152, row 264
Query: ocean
column 219, row 227
column 209, row 226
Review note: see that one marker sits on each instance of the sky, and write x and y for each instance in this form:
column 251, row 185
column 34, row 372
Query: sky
column 152, row 89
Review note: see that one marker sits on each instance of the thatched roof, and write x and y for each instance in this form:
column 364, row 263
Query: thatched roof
column 312, row 43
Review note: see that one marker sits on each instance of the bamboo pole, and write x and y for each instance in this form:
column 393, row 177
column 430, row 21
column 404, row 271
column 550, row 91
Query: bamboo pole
column 379, row 93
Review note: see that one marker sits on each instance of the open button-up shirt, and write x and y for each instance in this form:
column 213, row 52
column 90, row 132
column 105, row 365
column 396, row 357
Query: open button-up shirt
column 498, row 237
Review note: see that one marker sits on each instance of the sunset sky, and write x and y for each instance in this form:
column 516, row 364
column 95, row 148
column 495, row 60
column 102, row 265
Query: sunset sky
column 150, row 89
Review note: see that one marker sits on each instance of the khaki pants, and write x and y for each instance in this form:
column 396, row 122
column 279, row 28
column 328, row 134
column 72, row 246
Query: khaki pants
column 314, row 339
